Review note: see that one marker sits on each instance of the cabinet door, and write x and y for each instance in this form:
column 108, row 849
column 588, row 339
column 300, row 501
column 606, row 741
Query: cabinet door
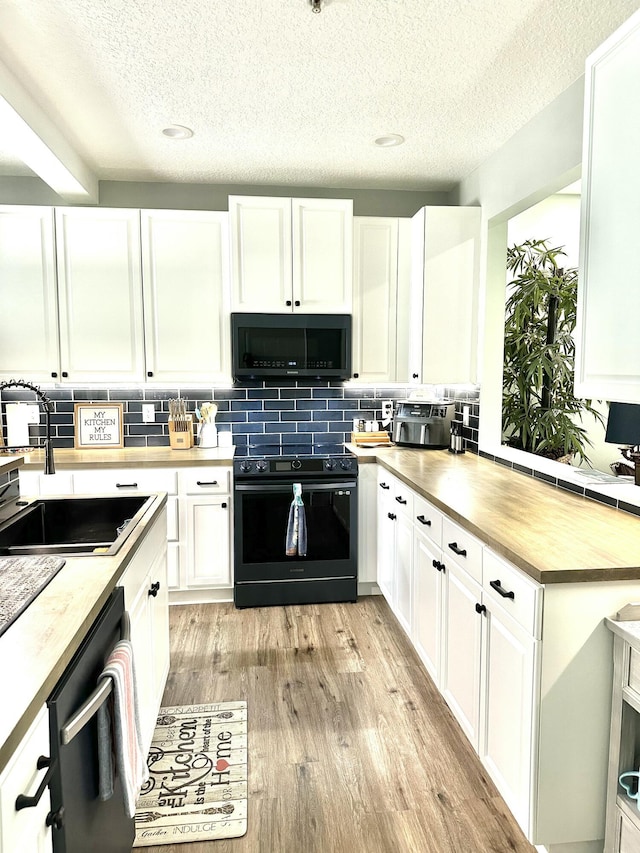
column 100, row 294
column 607, row 365
column 141, row 640
column 26, row 830
column 386, row 539
column 508, row 690
column 159, row 626
column 427, row 625
column 367, row 523
column 260, row 254
column 375, row 275
column 322, row 255
column 404, row 572
column 208, row 555
column 463, row 638
column 445, row 279
column 29, row 345
column 185, row 263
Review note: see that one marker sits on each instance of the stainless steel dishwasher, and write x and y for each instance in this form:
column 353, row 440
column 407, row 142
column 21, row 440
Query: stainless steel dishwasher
column 80, row 820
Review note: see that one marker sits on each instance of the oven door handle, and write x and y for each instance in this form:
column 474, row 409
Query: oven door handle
column 286, row 487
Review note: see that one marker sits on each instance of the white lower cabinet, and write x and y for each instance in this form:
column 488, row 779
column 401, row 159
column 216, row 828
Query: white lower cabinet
column 508, row 691
column 26, row 831
column 205, row 518
column 395, row 545
column 147, row 602
column 462, row 649
column 206, row 522
column 404, row 571
column 386, row 537
column 428, row 602
column 367, row 523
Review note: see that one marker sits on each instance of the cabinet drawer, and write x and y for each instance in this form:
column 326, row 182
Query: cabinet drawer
column 520, row 596
column 122, row 480
column 195, row 481
column 427, row 519
column 628, row 835
column 403, row 499
column 462, row 547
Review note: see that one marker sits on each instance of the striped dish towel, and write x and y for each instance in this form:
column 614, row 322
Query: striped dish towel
column 120, row 714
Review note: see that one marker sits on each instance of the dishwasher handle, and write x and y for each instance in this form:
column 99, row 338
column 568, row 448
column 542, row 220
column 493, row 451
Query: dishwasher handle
column 88, row 709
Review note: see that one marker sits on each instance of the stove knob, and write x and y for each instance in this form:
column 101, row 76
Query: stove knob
column 330, row 464
column 296, row 464
column 245, row 467
column 261, row 465
column 345, row 464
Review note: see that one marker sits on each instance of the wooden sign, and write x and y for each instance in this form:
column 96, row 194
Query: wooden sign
column 98, row 425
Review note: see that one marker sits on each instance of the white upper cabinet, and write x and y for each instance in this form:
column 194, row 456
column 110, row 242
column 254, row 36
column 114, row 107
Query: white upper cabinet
column 322, row 255
column 375, row 279
column 607, row 361
column 444, row 302
column 185, row 266
column 29, row 346
column 100, row 294
column 291, row 254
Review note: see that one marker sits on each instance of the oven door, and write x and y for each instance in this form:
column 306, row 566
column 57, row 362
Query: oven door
column 261, row 513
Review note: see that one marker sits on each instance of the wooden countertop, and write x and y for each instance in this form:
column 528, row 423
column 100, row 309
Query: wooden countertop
column 10, row 463
column 131, row 457
column 551, row 534
column 36, row 648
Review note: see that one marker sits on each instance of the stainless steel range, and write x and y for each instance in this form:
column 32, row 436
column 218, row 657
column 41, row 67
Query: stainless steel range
column 322, row 564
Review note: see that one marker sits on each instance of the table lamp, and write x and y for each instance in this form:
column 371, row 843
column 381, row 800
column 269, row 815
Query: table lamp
column 623, row 429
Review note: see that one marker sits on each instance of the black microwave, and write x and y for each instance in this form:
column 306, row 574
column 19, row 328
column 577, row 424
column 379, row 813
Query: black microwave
column 291, row 346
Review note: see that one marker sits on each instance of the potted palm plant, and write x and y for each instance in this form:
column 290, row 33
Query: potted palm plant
column 539, row 411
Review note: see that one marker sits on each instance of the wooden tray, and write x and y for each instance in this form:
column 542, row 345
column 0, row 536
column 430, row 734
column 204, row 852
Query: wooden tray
column 379, row 438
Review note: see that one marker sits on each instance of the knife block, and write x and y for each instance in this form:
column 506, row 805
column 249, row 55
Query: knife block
column 181, row 439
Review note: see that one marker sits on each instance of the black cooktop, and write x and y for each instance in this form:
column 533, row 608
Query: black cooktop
column 295, row 460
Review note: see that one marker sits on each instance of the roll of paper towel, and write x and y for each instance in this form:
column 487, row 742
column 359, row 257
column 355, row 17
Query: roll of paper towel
column 19, row 417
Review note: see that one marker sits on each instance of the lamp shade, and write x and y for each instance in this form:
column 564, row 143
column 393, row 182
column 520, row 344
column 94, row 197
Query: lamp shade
column 623, row 425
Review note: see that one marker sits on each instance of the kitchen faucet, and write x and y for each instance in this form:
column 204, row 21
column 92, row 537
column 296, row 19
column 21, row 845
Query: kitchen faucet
column 47, row 405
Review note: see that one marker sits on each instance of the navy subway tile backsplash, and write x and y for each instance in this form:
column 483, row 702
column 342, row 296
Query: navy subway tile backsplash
column 255, row 412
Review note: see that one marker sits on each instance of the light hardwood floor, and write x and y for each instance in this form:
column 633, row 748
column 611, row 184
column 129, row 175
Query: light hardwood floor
column 351, row 748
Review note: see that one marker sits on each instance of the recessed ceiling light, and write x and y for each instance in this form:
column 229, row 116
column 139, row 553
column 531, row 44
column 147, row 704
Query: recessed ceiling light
column 177, row 131
column 389, row 140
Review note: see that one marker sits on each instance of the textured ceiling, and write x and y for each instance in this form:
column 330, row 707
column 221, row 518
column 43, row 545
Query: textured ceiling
column 279, row 95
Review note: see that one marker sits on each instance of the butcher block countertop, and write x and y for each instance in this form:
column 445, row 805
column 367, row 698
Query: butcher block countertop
column 551, row 534
column 131, row 457
column 36, row 648
column 9, row 462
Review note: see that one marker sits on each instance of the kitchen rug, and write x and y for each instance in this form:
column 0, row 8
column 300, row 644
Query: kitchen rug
column 197, row 788
column 21, row 580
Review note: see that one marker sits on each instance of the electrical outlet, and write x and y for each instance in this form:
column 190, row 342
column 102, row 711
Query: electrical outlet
column 466, row 411
column 387, row 410
column 148, row 413
column 33, row 413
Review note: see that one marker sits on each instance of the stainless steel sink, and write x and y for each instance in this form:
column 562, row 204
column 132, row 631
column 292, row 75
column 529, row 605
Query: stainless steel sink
column 73, row 525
